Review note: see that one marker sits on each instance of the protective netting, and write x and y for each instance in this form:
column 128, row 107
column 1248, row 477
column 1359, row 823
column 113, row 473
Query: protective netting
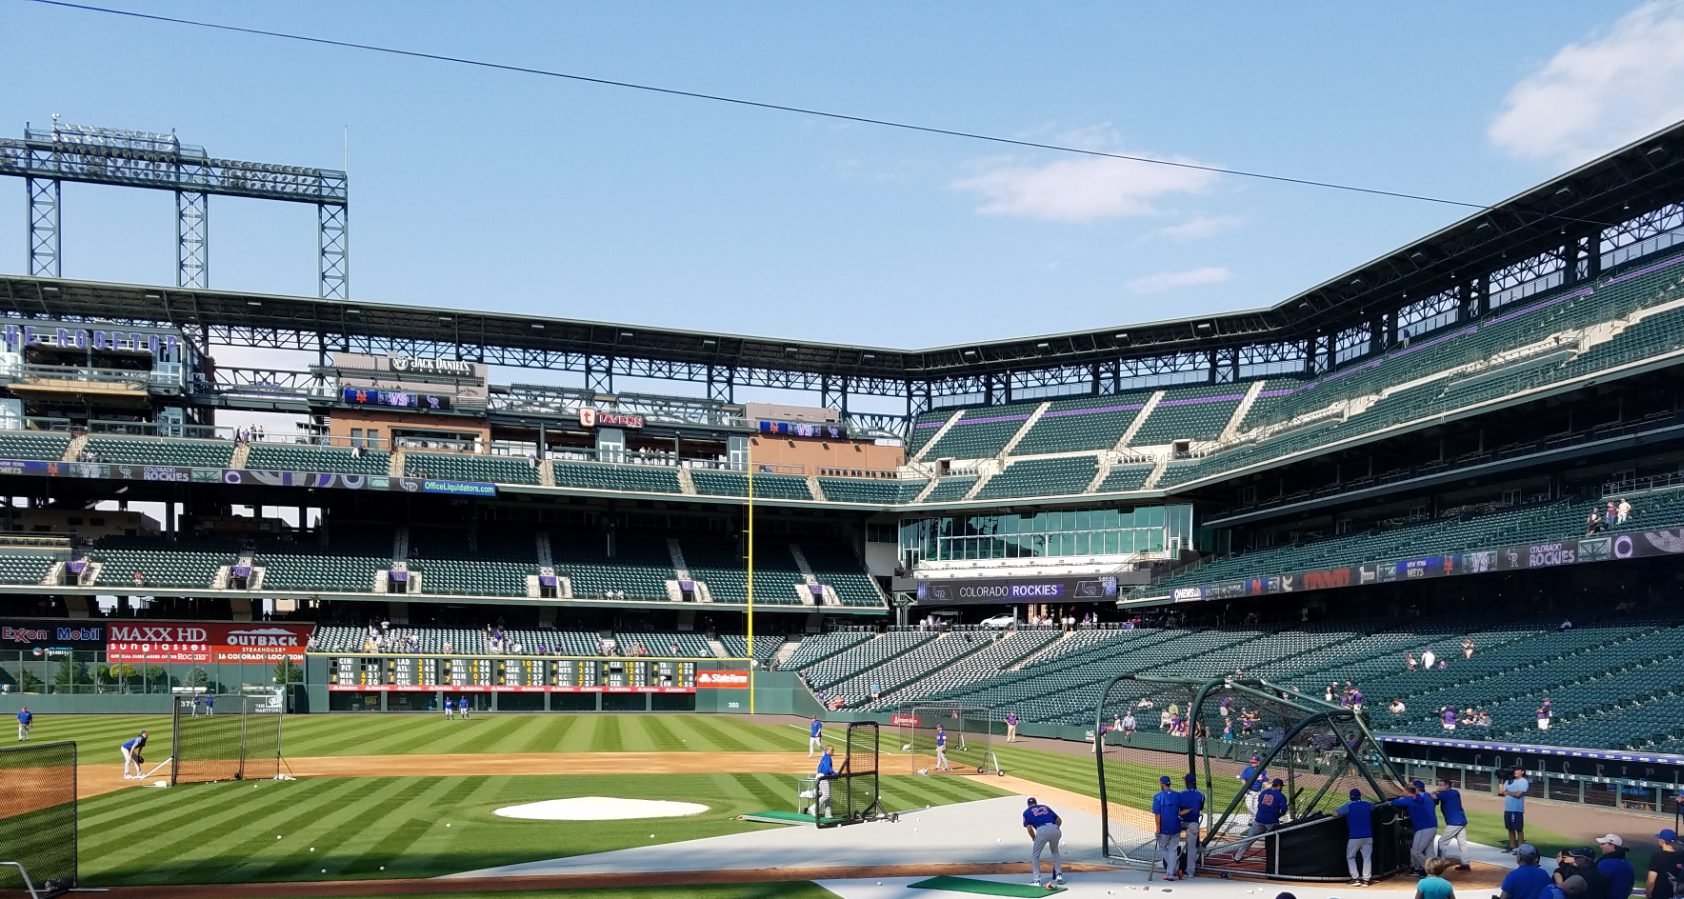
column 1216, row 731
column 860, row 796
column 219, row 738
column 969, row 738
column 38, row 813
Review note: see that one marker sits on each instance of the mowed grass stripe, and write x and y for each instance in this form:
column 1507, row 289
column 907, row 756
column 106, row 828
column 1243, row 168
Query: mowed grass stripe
column 182, row 815
column 334, row 824
column 391, row 843
column 545, row 734
column 719, row 737
column 608, row 737
column 352, row 734
column 662, row 735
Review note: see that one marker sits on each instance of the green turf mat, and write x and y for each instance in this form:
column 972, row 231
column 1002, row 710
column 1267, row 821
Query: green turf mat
column 981, row 887
column 778, row 818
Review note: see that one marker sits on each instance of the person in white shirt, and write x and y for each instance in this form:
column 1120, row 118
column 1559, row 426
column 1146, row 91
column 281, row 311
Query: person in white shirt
column 1427, row 659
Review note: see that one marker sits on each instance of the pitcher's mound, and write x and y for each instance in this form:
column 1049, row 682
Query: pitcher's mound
column 599, row 808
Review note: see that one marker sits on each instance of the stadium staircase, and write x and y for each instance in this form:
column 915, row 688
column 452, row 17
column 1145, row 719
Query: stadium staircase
column 398, row 462
column 936, row 437
column 546, row 473
column 1127, row 440
column 815, row 488
column 686, row 486
column 1028, row 423
column 1232, row 429
column 71, row 452
column 240, row 457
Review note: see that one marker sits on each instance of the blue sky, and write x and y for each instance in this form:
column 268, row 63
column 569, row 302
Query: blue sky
column 499, row 191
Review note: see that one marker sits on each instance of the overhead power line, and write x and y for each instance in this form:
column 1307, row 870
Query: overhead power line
column 779, row 107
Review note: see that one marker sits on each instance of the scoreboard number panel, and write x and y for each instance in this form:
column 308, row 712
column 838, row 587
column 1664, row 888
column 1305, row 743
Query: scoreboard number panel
column 471, row 674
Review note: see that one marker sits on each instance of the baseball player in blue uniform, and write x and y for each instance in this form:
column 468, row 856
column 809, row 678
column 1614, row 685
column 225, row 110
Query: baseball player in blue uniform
column 25, row 718
column 1455, row 823
column 1254, row 777
column 815, row 737
column 941, row 749
column 1271, row 806
column 210, row 705
column 1192, row 819
column 821, row 789
column 1043, row 825
column 1423, row 819
column 132, row 757
column 1359, row 833
column 449, row 708
column 1166, row 811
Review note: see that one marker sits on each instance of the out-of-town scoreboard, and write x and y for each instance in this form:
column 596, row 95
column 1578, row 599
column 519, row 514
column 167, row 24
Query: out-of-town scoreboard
column 481, row 674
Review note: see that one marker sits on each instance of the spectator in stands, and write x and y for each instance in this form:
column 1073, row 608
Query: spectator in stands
column 1129, row 726
column 1614, row 867
column 1623, row 510
column 1612, row 515
column 1527, row 880
column 1432, row 884
column 1447, row 715
column 1428, row 657
column 1484, row 718
column 1593, row 522
column 1396, row 706
column 1566, row 625
column 1409, row 662
column 1332, row 690
column 1227, row 731
column 1356, row 700
column 1581, row 862
column 1467, row 648
column 1546, row 711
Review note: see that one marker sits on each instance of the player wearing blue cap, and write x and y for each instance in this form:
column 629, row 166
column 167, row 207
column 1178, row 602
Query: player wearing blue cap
column 1254, row 777
column 941, row 749
column 1359, row 837
column 1455, row 823
column 132, row 757
column 1043, row 825
column 25, row 719
column 1192, row 819
column 1166, row 810
column 1423, row 820
column 1271, row 807
column 449, row 708
column 815, row 737
column 827, row 771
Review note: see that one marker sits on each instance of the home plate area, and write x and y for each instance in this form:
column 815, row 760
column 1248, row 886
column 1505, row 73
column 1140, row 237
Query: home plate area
column 972, row 848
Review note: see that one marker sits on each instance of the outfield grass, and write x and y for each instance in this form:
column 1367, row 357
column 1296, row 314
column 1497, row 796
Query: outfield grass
column 398, row 734
column 376, row 827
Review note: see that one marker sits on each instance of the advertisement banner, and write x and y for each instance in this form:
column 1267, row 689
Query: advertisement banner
column 40, row 636
column 722, row 680
column 903, row 719
column 241, row 476
column 255, row 642
column 1006, row 591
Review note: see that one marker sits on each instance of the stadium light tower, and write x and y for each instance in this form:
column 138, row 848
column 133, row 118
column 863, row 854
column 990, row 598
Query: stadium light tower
column 91, row 154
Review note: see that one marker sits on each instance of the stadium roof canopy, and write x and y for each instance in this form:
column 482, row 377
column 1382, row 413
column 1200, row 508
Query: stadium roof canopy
column 1583, row 207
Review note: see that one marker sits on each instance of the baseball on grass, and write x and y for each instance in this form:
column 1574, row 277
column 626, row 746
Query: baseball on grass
column 447, row 824
column 312, row 849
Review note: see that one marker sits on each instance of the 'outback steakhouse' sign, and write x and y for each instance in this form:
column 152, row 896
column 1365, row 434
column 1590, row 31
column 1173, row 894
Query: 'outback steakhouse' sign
column 598, row 418
column 459, row 368
column 205, row 643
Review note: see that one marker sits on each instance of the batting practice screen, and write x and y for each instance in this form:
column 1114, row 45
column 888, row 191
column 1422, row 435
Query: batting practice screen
column 969, row 733
column 1146, row 728
column 38, row 814
column 218, row 738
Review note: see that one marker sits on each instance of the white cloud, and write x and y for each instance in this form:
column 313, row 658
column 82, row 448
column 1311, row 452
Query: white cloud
column 1201, row 226
column 1600, row 93
column 1084, row 189
column 1194, row 277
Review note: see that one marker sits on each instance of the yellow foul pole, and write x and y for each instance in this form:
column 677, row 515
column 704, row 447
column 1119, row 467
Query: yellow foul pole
column 749, row 457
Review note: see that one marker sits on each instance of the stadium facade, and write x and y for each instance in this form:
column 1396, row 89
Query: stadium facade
column 1419, row 439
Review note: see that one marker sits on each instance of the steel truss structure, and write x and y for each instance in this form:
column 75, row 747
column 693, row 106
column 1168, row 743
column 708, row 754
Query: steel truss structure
column 1627, row 204
column 122, row 158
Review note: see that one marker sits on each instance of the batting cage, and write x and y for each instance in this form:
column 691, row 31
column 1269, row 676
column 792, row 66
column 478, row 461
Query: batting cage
column 219, row 738
column 1237, row 736
column 947, row 738
column 38, row 816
